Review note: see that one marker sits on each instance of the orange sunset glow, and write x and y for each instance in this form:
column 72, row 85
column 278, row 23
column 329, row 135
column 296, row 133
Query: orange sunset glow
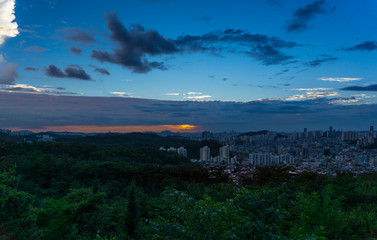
column 119, row 129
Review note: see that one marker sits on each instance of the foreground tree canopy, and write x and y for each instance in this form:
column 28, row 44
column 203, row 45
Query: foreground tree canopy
column 88, row 191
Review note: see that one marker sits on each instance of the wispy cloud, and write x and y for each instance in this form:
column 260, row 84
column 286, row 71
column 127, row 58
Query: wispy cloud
column 100, row 70
column 171, row 94
column 365, row 46
column 302, row 16
column 345, row 101
column 324, row 58
column 77, row 35
column 311, row 89
column 31, row 69
column 121, row 94
column 339, row 79
column 36, row 49
column 372, row 87
column 24, row 88
column 363, row 95
column 198, row 97
column 75, row 50
column 312, row 95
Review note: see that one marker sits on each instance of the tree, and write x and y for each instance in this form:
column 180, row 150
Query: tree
column 132, row 214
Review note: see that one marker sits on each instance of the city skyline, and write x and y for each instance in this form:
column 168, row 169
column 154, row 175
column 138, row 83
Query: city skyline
column 143, row 65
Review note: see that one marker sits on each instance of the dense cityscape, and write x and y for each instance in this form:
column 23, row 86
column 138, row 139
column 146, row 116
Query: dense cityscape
column 324, row 152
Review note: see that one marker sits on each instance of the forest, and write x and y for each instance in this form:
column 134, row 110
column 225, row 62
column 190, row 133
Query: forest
column 86, row 190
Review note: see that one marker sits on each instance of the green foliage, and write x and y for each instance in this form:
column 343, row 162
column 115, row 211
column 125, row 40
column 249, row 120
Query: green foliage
column 249, row 215
column 76, row 214
column 16, row 211
column 132, row 214
column 321, row 215
column 85, row 191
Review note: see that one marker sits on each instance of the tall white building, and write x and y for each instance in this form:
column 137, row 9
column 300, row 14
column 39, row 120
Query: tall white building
column 182, row 151
column 224, row 153
column 205, row 154
column 260, row 159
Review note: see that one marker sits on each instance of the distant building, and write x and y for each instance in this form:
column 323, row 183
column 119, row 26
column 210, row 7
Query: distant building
column 260, row 159
column 182, row 151
column 224, row 153
column 350, row 136
column 371, row 131
column 5, row 131
column 22, row 133
column 365, row 140
column 172, row 149
column 268, row 159
column 45, row 138
column 205, row 154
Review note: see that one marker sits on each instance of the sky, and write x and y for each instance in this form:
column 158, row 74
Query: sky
column 153, row 65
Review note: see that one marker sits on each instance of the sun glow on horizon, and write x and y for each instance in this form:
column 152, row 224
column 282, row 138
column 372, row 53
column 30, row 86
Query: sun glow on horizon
column 118, row 129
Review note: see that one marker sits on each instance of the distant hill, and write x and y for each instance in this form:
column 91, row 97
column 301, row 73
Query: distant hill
column 8, row 137
column 254, row 133
column 263, row 132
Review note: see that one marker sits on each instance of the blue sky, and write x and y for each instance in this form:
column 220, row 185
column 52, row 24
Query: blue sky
column 301, row 53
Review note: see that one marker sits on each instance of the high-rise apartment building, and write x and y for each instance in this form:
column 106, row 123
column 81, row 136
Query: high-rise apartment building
column 182, row 151
column 205, row 154
column 224, row 153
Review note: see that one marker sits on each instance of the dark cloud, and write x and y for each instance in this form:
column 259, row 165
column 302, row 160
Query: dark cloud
column 302, row 16
column 225, row 79
column 77, row 35
column 268, row 55
column 264, row 48
column 69, row 72
column 31, row 69
column 205, row 19
column 203, row 42
column 8, row 73
column 268, row 86
column 365, row 46
column 282, row 72
column 40, row 110
column 36, row 49
column 372, row 87
column 321, row 59
column 75, row 50
column 134, row 45
column 100, row 70
column 53, row 71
